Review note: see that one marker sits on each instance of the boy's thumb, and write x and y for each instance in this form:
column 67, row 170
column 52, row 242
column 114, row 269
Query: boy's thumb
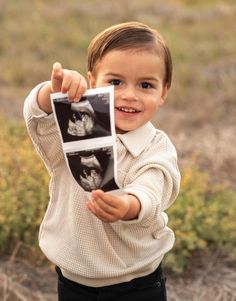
column 57, row 71
column 56, row 77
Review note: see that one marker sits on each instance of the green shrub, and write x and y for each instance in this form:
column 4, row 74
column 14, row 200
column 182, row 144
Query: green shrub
column 204, row 215
column 23, row 188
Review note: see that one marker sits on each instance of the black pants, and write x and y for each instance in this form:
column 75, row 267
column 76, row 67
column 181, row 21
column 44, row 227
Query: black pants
column 147, row 288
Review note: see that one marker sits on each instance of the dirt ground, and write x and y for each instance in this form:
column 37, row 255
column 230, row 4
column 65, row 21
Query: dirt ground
column 210, row 278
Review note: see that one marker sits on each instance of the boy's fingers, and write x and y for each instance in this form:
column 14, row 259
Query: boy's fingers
column 104, row 207
column 74, row 84
column 104, row 215
column 83, row 86
column 76, row 87
column 98, row 194
column 105, row 198
column 72, row 92
column 68, row 81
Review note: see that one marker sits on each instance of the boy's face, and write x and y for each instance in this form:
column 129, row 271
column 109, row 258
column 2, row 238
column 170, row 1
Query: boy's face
column 137, row 76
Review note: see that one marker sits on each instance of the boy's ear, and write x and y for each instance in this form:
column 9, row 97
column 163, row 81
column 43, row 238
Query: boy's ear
column 164, row 94
column 91, row 80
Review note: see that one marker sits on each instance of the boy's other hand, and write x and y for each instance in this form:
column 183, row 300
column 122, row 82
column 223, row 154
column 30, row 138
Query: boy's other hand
column 68, row 81
column 111, row 208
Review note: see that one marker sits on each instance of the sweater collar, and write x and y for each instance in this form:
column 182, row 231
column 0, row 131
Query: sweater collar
column 136, row 141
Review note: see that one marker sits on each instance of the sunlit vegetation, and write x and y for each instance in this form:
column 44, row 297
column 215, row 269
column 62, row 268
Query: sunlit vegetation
column 203, row 216
column 201, row 35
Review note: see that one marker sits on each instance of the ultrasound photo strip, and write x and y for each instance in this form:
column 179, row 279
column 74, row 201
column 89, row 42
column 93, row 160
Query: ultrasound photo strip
column 87, row 134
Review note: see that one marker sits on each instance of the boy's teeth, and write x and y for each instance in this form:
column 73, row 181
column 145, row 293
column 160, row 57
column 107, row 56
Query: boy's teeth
column 128, row 110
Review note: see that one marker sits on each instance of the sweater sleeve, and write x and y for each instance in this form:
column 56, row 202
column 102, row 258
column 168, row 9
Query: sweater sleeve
column 43, row 131
column 154, row 180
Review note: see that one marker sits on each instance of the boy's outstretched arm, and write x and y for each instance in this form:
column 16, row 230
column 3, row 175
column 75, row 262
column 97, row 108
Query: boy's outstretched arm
column 111, row 208
column 62, row 80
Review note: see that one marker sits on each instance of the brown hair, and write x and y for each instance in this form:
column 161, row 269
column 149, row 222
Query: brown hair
column 129, row 35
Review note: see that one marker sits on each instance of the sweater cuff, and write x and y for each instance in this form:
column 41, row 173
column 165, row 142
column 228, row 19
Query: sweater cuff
column 146, row 206
column 35, row 110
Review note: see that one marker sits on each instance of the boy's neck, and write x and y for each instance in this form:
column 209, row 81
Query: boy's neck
column 118, row 131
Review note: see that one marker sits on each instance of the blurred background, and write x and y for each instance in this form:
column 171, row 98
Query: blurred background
column 199, row 117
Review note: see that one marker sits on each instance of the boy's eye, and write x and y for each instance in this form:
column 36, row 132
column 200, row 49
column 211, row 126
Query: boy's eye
column 115, row 82
column 146, row 85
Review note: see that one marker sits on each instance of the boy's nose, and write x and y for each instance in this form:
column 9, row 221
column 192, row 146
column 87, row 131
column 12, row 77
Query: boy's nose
column 129, row 94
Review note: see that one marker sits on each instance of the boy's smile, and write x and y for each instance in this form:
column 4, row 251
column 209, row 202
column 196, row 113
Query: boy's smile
column 137, row 75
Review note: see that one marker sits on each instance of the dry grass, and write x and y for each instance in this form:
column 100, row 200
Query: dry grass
column 12, row 290
column 212, row 279
column 21, row 281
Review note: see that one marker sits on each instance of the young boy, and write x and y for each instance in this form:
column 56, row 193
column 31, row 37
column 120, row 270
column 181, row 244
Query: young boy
column 111, row 247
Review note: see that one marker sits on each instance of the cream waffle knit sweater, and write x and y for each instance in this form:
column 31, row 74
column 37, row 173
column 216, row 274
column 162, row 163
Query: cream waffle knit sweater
column 87, row 250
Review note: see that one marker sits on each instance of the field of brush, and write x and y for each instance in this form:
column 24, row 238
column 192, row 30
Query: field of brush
column 199, row 117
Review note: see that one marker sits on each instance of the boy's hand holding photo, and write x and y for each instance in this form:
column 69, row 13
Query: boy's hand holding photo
column 111, row 208
column 65, row 81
